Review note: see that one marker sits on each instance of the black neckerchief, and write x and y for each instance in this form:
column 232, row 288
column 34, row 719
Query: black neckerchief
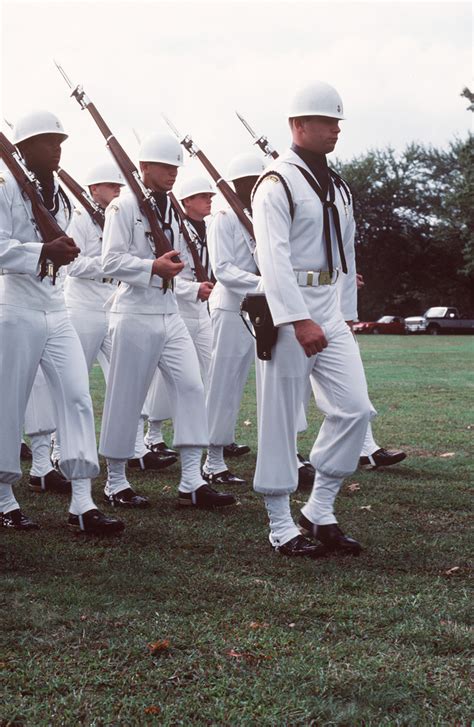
column 200, row 227
column 318, row 165
column 161, row 199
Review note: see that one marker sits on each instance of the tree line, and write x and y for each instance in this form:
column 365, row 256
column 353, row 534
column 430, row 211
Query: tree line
column 414, row 239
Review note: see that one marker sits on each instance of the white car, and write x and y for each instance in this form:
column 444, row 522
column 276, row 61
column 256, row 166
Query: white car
column 415, row 324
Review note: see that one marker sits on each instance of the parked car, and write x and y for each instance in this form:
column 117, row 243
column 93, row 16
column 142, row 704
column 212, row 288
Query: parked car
column 447, row 320
column 415, row 324
column 386, row 324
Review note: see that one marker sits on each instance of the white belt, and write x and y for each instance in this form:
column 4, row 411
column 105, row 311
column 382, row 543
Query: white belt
column 49, row 272
column 315, row 278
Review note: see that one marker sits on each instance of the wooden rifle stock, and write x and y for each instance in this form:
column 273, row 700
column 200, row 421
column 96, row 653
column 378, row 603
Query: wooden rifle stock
column 92, row 208
column 46, row 223
column 200, row 272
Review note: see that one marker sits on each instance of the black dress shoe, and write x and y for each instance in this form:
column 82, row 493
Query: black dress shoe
column 305, row 477
column 126, row 498
column 223, row 478
column 162, row 449
column 330, row 535
column 383, row 458
column 235, row 450
column 305, row 462
column 25, row 452
column 300, row 546
column 94, row 522
column 54, row 481
column 152, row 461
column 17, row 521
column 206, row 498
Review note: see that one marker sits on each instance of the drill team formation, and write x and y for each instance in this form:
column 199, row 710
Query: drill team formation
column 176, row 305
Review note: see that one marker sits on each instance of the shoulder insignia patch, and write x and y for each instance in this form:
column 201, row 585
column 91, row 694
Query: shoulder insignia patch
column 113, row 208
column 222, row 212
column 271, row 178
column 2, row 179
column 77, row 211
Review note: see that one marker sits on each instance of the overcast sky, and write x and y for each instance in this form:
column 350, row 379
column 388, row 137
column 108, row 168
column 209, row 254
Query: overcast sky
column 399, row 67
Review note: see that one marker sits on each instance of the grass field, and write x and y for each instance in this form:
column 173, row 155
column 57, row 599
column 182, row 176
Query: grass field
column 190, row 619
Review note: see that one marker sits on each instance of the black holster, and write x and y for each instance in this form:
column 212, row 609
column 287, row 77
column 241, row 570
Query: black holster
column 255, row 304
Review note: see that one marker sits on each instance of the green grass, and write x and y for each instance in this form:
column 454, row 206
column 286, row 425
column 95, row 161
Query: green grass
column 255, row 639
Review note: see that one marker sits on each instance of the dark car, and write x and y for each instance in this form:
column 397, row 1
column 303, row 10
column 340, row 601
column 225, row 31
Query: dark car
column 386, row 324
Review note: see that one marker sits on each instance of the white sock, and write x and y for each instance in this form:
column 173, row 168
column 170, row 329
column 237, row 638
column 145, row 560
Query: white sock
column 40, row 450
column 154, row 433
column 370, row 445
column 215, row 459
column 56, row 450
column 7, row 499
column 320, row 506
column 191, row 477
column 282, row 526
column 81, row 500
column 116, row 477
column 140, row 446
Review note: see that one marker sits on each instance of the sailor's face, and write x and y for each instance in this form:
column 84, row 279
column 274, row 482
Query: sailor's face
column 160, row 176
column 199, row 205
column 105, row 192
column 319, row 133
column 43, row 151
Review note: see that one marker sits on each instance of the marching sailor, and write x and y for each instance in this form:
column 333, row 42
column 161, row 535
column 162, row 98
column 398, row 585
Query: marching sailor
column 231, row 250
column 35, row 330
column 147, row 331
column 304, row 229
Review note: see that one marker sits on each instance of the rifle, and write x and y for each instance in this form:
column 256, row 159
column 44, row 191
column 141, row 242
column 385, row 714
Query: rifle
column 45, row 222
column 144, row 196
column 200, row 272
column 261, row 141
column 223, row 186
column 94, row 210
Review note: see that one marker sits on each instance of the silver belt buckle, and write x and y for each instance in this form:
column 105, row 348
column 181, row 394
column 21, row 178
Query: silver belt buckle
column 50, row 270
column 309, row 278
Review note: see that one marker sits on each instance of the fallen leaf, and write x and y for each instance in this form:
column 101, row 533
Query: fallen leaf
column 292, row 626
column 353, row 487
column 258, row 625
column 157, row 646
column 247, row 655
column 452, row 571
column 247, row 423
column 153, row 709
column 234, row 654
column 366, row 507
column 448, row 454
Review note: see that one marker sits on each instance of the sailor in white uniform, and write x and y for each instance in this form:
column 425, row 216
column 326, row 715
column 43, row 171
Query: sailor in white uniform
column 304, row 227
column 35, row 331
column 147, row 331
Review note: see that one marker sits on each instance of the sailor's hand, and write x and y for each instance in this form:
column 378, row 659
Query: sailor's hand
column 165, row 267
column 61, row 251
column 205, row 290
column 359, row 281
column 310, row 336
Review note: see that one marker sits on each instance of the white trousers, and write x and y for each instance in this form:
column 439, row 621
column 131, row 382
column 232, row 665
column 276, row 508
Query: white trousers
column 140, row 344
column 233, row 351
column 32, row 338
column 40, row 414
column 92, row 328
column 340, row 389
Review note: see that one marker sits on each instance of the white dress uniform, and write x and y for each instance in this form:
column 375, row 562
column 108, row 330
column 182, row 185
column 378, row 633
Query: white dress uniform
column 231, row 252
column 35, row 330
column 87, row 290
column 146, row 331
column 194, row 312
column 289, row 250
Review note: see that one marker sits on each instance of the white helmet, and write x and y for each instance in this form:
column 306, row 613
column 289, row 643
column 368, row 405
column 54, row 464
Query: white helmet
column 195, row 185
column 245, row 165
column 36, row 123
column 161, row 147
column 317, row 99
column 103, row 173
